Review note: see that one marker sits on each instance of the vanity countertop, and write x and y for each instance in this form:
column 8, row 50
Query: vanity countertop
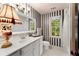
column 22, row 32
column 17, row 43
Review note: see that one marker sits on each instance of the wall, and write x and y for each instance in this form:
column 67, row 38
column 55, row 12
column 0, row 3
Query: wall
column 37, row 16
column 66, row 31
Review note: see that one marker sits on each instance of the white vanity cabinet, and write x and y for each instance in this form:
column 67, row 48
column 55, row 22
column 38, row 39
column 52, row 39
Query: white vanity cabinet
column 32, row 49
column 36, row 48
column 27, row 50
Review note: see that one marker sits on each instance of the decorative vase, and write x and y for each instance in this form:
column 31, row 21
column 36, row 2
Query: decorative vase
column 6, row 35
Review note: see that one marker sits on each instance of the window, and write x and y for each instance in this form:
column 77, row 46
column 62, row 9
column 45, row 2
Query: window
column 55, row 24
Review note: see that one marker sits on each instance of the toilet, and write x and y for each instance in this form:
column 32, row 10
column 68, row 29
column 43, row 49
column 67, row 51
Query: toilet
column 46, row 45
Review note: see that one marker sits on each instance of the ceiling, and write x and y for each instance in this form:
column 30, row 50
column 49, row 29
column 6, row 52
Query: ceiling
column 43, row 8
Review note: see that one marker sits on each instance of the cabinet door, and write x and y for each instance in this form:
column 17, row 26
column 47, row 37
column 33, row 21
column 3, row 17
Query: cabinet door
column 36, row 48
column 41, row 45
column 17, row 53
column 27, row 50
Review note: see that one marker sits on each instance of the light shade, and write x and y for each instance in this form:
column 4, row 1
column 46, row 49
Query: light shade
column 8, row 15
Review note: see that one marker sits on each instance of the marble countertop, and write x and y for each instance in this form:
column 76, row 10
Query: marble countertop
column 22, row 32
column 17, row 43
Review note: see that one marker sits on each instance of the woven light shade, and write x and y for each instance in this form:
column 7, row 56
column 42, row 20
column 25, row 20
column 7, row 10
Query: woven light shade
column 8, row 15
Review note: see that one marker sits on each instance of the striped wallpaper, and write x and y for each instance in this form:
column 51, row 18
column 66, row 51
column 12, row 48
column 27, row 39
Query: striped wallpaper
column 45, row 22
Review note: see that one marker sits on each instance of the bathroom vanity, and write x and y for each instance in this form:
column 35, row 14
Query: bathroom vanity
column 23, row 46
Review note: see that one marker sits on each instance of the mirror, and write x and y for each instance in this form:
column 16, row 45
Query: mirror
column 23, row 27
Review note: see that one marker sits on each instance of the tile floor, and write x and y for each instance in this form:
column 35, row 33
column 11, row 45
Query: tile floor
column 54, row 51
